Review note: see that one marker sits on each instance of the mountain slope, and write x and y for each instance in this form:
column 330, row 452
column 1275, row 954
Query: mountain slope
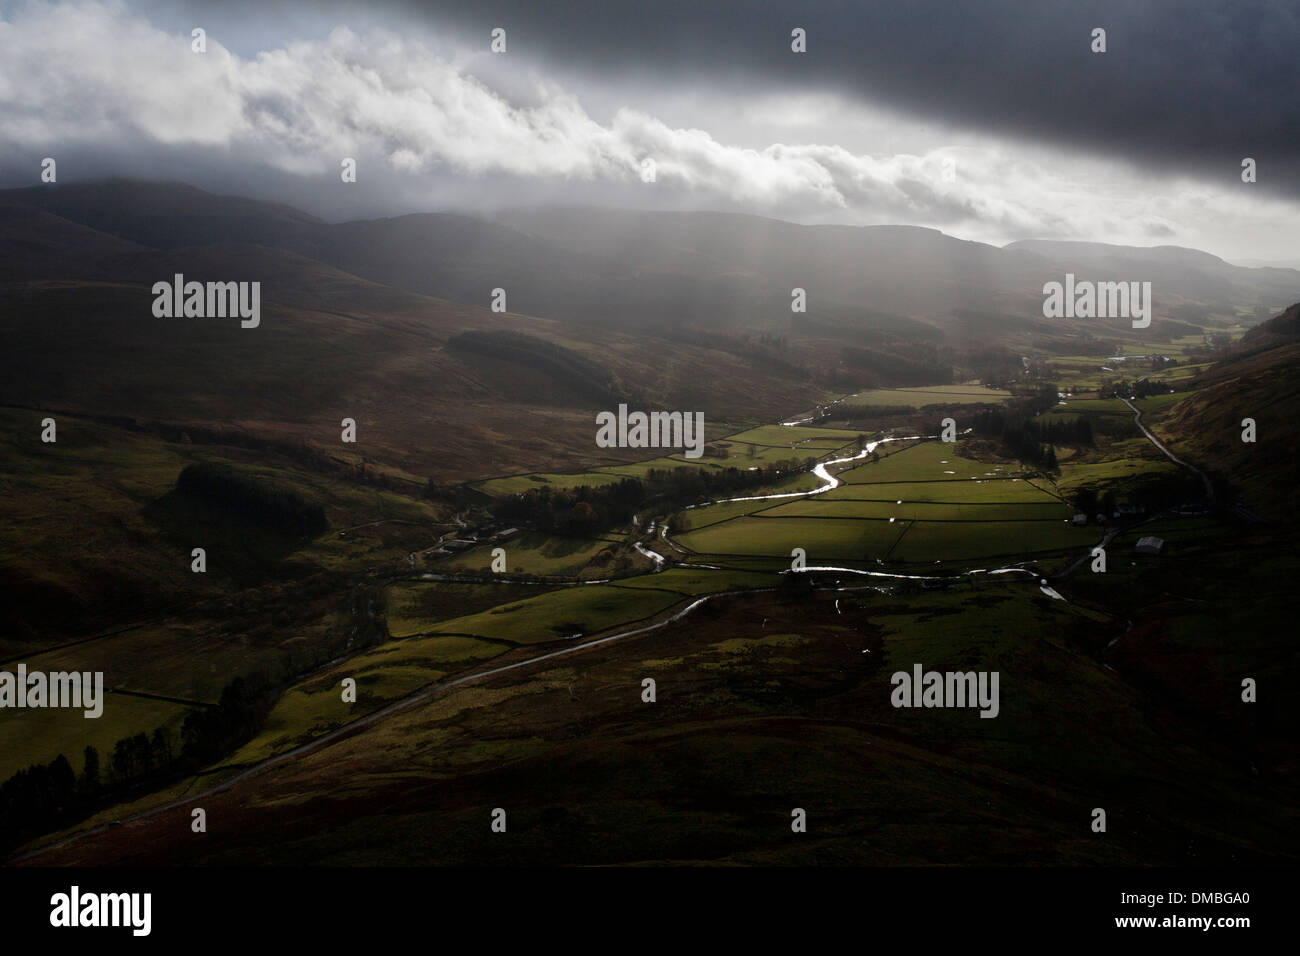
column 666, row 270
column 1262, row 384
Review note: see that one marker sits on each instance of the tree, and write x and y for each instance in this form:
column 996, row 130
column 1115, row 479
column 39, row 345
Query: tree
column 142, row 752
column 63, row 783
column 162, row 747
column 90, row 771
column 1108, row 503
column 583, row 517
column 123, row 763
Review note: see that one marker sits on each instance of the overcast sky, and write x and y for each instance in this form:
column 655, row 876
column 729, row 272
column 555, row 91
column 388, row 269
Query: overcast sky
column 989, row 120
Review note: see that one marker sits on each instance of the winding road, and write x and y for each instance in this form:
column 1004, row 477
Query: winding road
column 1137, row 420
column 374, row 717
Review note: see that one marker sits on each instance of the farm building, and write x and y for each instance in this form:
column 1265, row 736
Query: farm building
column 1150, row 545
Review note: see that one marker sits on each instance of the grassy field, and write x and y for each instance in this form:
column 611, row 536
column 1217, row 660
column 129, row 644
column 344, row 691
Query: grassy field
column 191, row 661
column 695, row 518
column 924, row 461
column 414, row 605
column 933, row 395
column 383, row 675
column 1113, row 470
column 582, row 609
column 941, row 506
column 930, row 541
column 986, row 490
column 517, row 484
column 536, row 553
column 823, row 506
column 696, row 581
column 782, row 436
column 823, row 539
column 38, row 736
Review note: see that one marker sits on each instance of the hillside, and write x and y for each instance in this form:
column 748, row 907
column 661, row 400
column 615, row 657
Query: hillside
column 78, row 334
column 1260, row 383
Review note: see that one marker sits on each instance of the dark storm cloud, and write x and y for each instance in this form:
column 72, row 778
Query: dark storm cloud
column 1183, row 87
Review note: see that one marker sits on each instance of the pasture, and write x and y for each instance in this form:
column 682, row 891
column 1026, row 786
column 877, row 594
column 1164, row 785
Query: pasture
column 931, row 395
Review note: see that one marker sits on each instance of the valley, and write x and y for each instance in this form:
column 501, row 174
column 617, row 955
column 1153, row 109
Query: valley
column 459, row 610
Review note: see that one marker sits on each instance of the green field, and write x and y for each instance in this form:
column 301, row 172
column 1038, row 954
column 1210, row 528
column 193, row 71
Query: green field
column 1155, row 403
column 693, row 519
column 932, row 395
column 694, row 581
column 929, row 541
column 823, row 539
column 937, row 499
column 782, row 436
column 988, row 490
column 1113, row 470
column 38, row 736
column 581, row 609
column 193, row 663
column 413, row 605
column 823, row 506
column 536, row 553
column 383, row 674
column 517, row 484
column 924, row 461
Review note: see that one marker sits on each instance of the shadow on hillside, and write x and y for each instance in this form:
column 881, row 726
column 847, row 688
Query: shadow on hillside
column 238, row 547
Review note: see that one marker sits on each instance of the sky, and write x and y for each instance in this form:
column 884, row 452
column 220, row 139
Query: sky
column 992, row 121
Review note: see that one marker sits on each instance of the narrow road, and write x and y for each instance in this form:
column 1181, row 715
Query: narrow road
column 1137, row 420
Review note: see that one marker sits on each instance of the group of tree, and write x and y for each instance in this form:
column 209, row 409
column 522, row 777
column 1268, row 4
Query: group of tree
column 1138, row 389
column 587, row 509
column 1028, row 401
column 49, row 796
column 913, row 365
column 1029, row 440
column 1016, row 432
column 1151, row 493
column 46, row 796
column 257, row 499
column 994, row 366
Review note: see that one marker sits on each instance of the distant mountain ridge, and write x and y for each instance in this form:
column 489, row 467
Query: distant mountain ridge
column 652, row 269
